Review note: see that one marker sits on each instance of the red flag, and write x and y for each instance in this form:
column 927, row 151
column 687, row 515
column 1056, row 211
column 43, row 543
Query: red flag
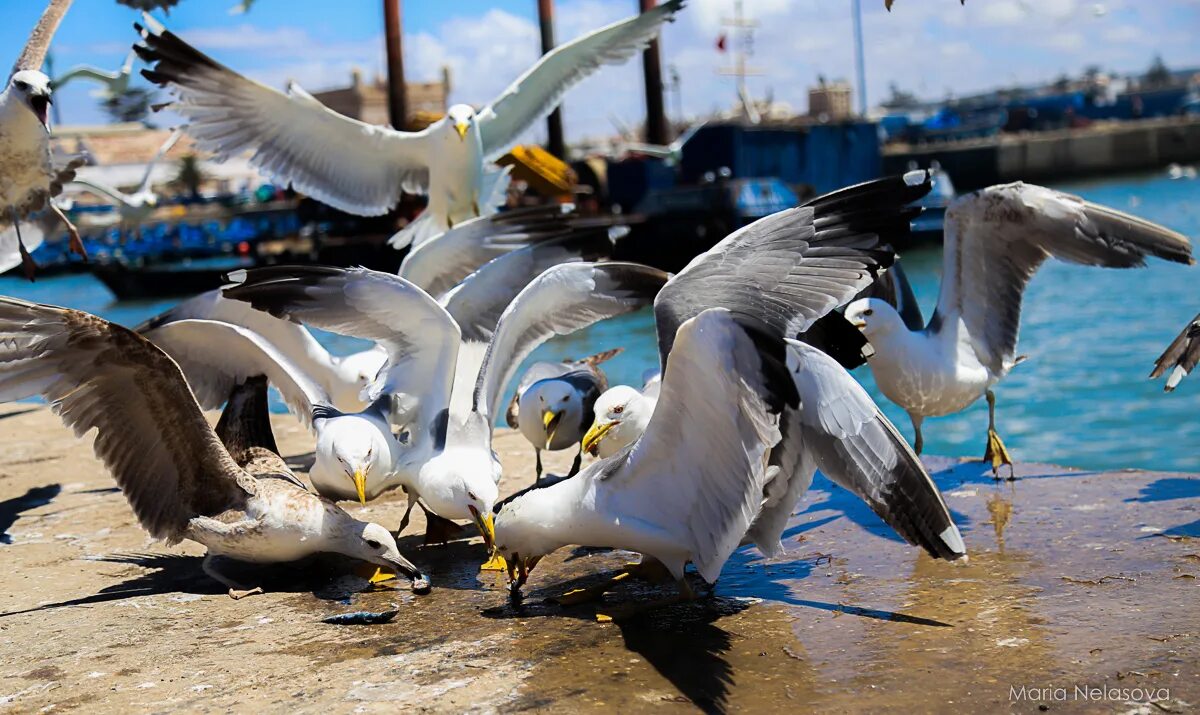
column 721, row 43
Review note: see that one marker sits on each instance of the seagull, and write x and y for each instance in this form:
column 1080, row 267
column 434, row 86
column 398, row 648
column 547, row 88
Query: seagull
column 557, row 399
column 151, row 435
column 363, row 168
column 114, row 83
column 29, row 176
column 671, row 153
column 133, row 208
column 745, row 415
column 996, row 239
column 456, row 365
column 1180, row 357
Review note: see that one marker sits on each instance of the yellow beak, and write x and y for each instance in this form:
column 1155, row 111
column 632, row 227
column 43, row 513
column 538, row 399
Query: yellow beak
column 461, row 128
column 360, row 486
column 550, row 420
column 595, row 434
column 486, row 527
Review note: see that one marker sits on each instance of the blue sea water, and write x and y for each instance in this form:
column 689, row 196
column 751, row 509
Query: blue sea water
column 1082, row 399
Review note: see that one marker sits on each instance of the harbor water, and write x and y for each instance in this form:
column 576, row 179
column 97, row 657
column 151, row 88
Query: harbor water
column 1091, row 335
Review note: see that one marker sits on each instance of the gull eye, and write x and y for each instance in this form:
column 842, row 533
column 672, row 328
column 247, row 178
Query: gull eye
column 370, row 451
column 566, row 397
column 618, row 409
column 868, row 311
column 373, row 543
column 472, row 495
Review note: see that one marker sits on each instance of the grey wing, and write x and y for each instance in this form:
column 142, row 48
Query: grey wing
column 537, row 92
column 477, row 303
column 357, row 167
column 150, row 433
column 1180, row 357
column 855, row 445
column 996, row 238
column 560, row 301
column 793, row 267
column 439, row 264
column 700, row 467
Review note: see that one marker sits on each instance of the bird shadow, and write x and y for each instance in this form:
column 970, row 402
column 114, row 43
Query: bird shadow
column 681, row 642
column 856, row 510
column 454, row 564
column 11, row 509
column 1168, row 489
column 182, row 574
column 18, row 413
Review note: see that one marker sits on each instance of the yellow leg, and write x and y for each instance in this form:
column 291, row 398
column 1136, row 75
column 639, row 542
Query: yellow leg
column 495, row 563
column 996, row 453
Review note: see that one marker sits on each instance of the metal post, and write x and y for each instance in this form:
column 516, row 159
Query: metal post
column 554, row 129
column 657, row 131
column 860, row 66
column 397, row 95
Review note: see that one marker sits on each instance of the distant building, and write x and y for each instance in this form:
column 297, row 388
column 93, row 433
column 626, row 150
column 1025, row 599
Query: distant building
column 830, row 101
column 368, row 102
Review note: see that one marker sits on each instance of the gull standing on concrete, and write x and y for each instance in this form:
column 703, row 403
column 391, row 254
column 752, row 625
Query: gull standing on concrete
column 996, row 239
column 363, row 168
column 557, row 399
column 1180, row 357
column 29, row 176
column 151, row 435
column 745, row 416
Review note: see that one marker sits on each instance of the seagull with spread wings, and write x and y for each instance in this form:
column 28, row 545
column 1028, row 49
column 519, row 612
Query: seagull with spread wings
column 996, row 239
column 29, row 173
column 151, row 435
column 363, row 168
column 113, row 84
column 745, row 415
column 133, row 208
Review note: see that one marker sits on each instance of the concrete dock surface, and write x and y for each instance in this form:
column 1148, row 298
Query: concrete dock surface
column 1080, row 595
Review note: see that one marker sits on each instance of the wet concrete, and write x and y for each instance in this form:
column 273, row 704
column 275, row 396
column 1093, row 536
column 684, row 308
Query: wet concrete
column 1074, row 579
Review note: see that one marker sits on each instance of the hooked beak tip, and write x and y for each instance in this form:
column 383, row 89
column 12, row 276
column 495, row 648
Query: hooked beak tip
column 360, row 486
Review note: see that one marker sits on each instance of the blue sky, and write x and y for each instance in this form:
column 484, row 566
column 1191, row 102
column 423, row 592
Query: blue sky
column 928, row 46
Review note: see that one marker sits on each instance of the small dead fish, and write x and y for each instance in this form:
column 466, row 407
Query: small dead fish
column 361, row 618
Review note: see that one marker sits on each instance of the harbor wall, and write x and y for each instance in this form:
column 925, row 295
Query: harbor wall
column 1109, row 148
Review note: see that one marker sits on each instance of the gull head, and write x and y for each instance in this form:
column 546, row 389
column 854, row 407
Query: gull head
column 460, row 483
column 352, row 458
column 33, row 88
column 548, row 405
column 528, row 526
column 621, row 416
column 874, row 317
column 460, row 118
column 374, row 544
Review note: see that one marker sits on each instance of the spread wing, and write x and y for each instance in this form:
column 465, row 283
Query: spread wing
column 700, row 467
column 150, row 433
column 855, row 445
column 996, row 238
column 420, row 337
column 560, row 301
column 1180, row 357
column 477, row 303
column 537, row 92
column 356, row 167
column 33, row 56
column 437, row 265
column 216, row 357
column 792, row 267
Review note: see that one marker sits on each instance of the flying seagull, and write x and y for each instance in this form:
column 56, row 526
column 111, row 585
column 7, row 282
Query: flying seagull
column 363, row 168
column 113, row 83
column 996, row 239
column 671, row 153
column 745, row 415
column 1180, row 356
column 454, row 362
column 29, row 176
column 136, row 207
column 557, row 399
column 151, row 435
